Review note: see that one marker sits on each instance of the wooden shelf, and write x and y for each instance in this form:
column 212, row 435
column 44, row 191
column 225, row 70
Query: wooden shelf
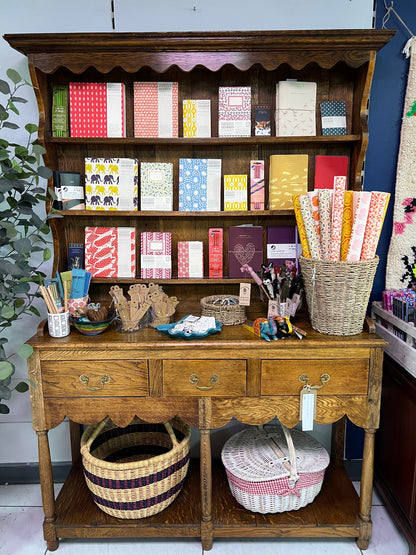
column 175, row 214
column 335, row 508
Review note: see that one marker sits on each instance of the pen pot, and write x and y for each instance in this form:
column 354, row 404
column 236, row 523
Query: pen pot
column 58, row 324
column 337, row 293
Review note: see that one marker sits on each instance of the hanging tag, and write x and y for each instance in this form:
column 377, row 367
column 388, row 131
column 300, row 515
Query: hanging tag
column 307, row 408
column 245, row 290
column 273, row 309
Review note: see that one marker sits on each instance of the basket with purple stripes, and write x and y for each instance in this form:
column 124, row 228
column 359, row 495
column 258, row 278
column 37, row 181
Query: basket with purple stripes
column 136, row 471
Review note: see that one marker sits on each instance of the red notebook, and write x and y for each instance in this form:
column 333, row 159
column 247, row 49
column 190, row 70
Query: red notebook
column 327, row 167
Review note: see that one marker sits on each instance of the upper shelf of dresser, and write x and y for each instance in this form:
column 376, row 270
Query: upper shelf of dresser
column 213, row 50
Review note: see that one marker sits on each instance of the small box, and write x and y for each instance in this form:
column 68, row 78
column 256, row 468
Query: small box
column 257, row 185
column 216, row 246
column 156, row 255
column 235, row 192
column 190, row 259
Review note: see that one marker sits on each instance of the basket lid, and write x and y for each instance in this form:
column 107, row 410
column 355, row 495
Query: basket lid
column 255, row 454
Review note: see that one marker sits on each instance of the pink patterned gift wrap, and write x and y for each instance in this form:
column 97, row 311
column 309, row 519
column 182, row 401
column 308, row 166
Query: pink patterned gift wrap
column 310, row 227
column 361, row 208
column 375, row 220
column 325, row 201
column 336, row 223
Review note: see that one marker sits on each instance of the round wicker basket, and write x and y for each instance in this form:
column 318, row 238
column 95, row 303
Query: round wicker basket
column 337, row 293
column 224, row 308
column 136, row 471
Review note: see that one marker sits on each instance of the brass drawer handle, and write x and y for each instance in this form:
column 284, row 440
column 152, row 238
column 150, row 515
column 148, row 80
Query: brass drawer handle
column 85, row 379
column 193, row 378
column 324, row 378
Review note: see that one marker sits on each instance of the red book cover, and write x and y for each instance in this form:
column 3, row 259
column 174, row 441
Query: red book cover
column 328, row 167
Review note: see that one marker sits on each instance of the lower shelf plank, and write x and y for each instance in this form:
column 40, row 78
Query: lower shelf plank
column 334, row 512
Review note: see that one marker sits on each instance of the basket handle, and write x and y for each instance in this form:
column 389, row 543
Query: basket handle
column 171, row 432
column 95, row 431
column 292, row 466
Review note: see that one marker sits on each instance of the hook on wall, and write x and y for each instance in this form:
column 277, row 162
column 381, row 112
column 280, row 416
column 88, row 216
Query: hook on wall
column 386, row 17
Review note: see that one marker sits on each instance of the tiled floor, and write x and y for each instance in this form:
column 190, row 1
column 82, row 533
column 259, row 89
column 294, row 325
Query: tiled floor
column 21, row 519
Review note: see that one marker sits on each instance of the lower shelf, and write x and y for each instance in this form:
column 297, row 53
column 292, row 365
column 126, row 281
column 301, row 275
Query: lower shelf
column 334, row 513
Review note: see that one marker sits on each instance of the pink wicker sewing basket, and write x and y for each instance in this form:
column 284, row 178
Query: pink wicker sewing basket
column 271, row 469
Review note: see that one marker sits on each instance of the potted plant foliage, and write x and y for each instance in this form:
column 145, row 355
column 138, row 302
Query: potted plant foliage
column 23, row 233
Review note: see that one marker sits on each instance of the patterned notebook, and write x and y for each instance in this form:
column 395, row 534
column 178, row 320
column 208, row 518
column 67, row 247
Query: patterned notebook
column 111, row 183
column 156, row 186
column 155, row 109
column 199, row 184
column 110, row 251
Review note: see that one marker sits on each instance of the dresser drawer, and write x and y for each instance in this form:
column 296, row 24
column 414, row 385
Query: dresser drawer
column 204, row 377
column 101, row 378
column 346, row 377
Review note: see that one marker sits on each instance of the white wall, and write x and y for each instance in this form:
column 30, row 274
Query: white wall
column 36, row 16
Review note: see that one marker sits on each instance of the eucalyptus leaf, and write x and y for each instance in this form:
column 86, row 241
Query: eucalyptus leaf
column 22, row 387
column 4, row 409
column 6, row 369
column 10, row 125
column 14, row 76
column 25, row 351
column 4, row 87
column 31, row 128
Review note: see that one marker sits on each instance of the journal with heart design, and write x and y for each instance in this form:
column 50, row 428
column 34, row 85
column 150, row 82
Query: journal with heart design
column 245, row 246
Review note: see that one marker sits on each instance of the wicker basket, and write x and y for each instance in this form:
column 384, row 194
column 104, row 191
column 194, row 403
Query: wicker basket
column 337, row 293
column 227, row 314
column 136, row 471
column 269, row 471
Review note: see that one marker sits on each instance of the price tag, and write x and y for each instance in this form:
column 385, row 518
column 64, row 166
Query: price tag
column 273, row 309
column 307, row 408
column 245, row 290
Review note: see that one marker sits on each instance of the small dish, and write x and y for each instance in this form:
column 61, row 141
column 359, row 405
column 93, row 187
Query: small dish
column 167, row 328
column 91, row 328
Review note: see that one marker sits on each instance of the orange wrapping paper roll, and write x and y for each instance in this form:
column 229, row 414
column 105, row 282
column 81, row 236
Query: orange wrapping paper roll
column 347, row 220
column 301, row 228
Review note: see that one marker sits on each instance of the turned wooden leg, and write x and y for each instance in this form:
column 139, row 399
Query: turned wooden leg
column 206, row 490
column 48, row 494
column 366, row 492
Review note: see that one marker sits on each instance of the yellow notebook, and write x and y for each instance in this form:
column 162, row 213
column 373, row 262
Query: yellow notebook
column 288, row 177
column 235, row 192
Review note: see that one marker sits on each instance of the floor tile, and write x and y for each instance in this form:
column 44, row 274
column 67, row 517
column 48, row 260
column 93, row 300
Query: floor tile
column 21, row 531
column 386, row 538
column 22, row 495
column 280, row 546
column 376, row 497
column 177, row 546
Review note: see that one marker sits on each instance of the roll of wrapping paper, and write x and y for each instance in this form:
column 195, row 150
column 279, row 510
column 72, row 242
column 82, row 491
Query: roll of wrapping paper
column 301, row 228
column 310, row 227
column 340, row 182
column 347, row 220
column 376, row 213
column 336, row 224
column 325, row 199
column 314, row 198
column 359, row 225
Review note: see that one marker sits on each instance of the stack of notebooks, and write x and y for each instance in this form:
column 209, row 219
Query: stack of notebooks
column 156, row 186
column 155, row 109
column 199, row 184
column 111, row 183
column 110, row 251
column 234, row 112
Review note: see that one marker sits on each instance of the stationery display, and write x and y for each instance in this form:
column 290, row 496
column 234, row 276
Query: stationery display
column 245, row 246
column 288, row 177
column 235, row 192
column 295, row 108
column 327, row 168
column 110, row 251
column 199, row 184
column 257, row 185
column 155, row 109
column 97, row 109
column 197, row 118
column 262, row 121
column 60, row 126
column 215, row 249
column 111, row 183
column 156, row 255
column 333, row 117
column 68, row 190
column 190, row 259
column 401, row 302
column 156, row 186
column 234, row 112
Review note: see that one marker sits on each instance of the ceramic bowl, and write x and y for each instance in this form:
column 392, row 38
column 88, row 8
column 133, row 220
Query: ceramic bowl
column 91, row 328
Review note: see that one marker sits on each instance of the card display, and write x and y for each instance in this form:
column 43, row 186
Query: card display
column 295, row 108
column 288, row 177
column 235, row 192
column 155, row 109
column 97, row 109
column 156, row 186
column 197, row 118
column 245, row 246
column 156, row 255
column 333, row 117
column 199, row 184
column 234, row 112
column 110, row 251
column 111, row 183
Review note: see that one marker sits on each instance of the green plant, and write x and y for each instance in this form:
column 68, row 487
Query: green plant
column 23, row 233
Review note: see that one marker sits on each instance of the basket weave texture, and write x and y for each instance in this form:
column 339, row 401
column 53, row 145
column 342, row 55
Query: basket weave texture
column 136, row 471
column 337, row 293
column 227, row 314
column 271, row 469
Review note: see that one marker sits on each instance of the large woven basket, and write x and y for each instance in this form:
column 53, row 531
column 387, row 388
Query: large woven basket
column 136, row 471
column 271, row 469
column 220, row 308
column 337, row 293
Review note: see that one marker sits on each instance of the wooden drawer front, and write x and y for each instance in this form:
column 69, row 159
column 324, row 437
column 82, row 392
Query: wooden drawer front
column 281, row 377
column 204, row 377
column 95, row 378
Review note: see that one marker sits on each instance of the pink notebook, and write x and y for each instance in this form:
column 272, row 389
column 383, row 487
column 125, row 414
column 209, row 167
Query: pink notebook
column 155, row 109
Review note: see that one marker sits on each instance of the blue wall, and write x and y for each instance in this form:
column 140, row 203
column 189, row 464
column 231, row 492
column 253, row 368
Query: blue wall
column 386, row 110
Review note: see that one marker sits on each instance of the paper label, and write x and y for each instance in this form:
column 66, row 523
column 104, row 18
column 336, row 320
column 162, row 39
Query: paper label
column 245, row 290
column 307, row 408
